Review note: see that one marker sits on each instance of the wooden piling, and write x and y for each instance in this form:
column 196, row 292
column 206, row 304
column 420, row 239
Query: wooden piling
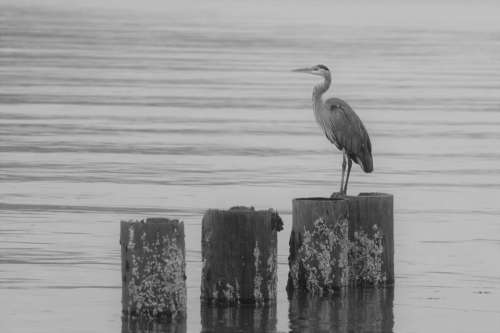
column 318, row 245
column 239, row 251
column 153, row 269
column 342, row 241
column 371, row 236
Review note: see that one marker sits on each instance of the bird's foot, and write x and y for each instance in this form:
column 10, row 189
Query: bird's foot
column 337, row 195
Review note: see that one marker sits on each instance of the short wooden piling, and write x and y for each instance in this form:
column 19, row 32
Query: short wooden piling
column 339, row 242
column 153, row 269
column 239, row 251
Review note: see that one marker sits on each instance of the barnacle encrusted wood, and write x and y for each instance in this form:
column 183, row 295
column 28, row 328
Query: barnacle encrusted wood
column 336, row 242
column 239, row 251
column 319, row 245
column 371, row 237
column 153, row 269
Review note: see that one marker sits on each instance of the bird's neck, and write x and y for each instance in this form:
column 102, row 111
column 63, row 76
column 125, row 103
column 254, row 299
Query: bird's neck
column 320, row 89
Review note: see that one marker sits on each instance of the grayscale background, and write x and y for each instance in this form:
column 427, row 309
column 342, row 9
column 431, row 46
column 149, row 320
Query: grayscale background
column 115, row 110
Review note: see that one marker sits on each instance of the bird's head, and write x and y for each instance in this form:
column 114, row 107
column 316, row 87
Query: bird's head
column 320, row 70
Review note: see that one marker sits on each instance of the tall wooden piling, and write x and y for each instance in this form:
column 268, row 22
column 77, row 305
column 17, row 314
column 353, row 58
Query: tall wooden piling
column 153, row 269
column 371, row 236
column 239, row 251
column 319, row 245
column 342, row 241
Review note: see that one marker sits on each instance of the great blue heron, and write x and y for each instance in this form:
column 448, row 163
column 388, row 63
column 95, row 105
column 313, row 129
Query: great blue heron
column 341, row 126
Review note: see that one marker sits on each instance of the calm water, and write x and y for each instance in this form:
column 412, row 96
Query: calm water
column 110, row 114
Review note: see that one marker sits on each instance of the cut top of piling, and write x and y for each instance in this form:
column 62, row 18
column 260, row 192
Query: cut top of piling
column 362, row 194
column 235, row 214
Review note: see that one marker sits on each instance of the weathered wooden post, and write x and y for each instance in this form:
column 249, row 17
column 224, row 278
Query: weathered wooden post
column 371, row 237
column 239, row 251
column 336, row 242
column 319, row 245
column 153, row 269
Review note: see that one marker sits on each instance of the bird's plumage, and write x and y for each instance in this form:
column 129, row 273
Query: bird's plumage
column 345, row 130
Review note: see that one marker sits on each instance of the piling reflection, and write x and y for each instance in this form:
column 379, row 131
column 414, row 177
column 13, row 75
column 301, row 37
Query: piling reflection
column 244, row 318
column 130, row 325
column 355, row 310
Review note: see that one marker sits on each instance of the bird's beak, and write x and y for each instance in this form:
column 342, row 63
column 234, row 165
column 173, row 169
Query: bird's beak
column 302, row 70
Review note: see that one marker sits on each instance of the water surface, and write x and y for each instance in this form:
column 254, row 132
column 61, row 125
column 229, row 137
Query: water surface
column 110, row 114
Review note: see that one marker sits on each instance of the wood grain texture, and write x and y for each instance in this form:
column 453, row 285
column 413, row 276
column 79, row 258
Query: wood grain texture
column 239, row 251
column 153, row 269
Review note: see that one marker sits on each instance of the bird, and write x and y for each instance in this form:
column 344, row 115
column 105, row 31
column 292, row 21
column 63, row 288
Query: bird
column 341, row 126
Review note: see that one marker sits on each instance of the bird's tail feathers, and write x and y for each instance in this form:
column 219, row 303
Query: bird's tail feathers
column 366, row 162
column 369, row 166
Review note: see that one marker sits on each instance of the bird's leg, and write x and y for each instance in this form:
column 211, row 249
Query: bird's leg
column 349, row 165
column 343, row 173
column 341, row 193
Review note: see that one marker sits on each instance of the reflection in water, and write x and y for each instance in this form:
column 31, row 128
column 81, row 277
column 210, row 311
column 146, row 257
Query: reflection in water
column 244, row 318
column 351, row 310
column 138, row 326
